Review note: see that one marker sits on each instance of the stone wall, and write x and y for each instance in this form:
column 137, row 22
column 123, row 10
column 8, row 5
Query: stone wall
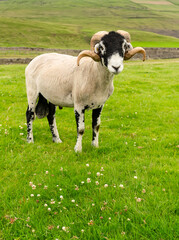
column 152, row 53
column 15, row 60
column 162, row 53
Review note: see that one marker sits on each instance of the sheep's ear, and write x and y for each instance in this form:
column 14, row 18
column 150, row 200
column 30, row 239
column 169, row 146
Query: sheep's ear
column 96, row 48
column 127, row 46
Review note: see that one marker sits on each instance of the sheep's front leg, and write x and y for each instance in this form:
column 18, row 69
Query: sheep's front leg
column 30, row 117
column 80, row 122
column 95, row 125
column 52, row 123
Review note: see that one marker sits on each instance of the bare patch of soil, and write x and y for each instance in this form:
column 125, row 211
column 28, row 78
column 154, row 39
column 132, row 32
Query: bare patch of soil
column 153, row 2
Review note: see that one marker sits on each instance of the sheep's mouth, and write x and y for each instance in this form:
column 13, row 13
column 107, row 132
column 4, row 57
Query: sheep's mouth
column 115, row 72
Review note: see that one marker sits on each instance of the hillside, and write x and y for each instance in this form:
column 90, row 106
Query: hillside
column 69, row 24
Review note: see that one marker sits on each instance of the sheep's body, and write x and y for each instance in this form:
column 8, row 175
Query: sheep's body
column 58, row 78
column 60, row 81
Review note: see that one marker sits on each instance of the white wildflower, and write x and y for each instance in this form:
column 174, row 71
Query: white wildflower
column 88, row 180
column 52, row 201
column 97, row 183
column 138, row 199
column 143, row 191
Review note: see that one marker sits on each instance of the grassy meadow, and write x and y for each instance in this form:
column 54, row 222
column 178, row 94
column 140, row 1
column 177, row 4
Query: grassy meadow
column 128, row 187
column 125, row 189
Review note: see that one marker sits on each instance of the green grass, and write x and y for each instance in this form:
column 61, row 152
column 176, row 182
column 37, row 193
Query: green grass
column 65, row 24
column 138, row 137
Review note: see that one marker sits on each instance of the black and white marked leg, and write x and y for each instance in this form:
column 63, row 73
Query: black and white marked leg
column 30, row 117
column 52, row 123
column 95, row 125
column 80, row 122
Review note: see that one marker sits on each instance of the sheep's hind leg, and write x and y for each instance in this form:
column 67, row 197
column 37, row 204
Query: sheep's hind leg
column 95, row 125
column 80, row 122
column 30, row 117
column 52, row 123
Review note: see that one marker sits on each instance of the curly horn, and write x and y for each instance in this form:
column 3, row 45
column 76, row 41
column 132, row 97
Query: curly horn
column 130, row 53
column 126, row 35
column 88, row 53
column 96, row 38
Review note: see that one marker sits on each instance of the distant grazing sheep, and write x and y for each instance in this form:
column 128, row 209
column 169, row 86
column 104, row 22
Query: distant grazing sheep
column 83, row 82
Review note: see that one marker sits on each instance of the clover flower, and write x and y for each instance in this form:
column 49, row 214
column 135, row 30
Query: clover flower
column 88, row 180
column 65, row 229
column 143, row 191
column 138, row 199
column 52, row 201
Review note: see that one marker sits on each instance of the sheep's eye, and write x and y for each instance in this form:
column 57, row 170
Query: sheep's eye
column 103, row 49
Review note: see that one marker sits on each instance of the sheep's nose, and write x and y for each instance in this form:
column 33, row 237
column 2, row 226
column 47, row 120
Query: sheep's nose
column 116, row 68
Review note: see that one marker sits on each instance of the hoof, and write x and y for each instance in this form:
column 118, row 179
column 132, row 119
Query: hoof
column 78, row 149
column 94, row 144
column 57, row 140
column 30, row 140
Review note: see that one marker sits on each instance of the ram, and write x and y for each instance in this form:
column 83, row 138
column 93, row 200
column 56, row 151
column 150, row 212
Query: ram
column 83, row 82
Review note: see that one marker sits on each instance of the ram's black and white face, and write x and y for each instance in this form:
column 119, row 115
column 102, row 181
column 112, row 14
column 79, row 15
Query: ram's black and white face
column 111, row 50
